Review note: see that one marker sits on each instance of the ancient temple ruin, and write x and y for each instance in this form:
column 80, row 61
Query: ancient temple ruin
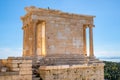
column 55, row 42
column 49, row 32
column 59, row 38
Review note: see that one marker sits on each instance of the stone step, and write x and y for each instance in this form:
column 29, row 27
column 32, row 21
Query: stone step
column 65, row 57
column 65, row 62
column 69, row 59
column 33, row 75
column 36, row 78
column 93, row 59
column 69, row 62
column 94, row 62
column 58, row 61
column 62, row 58
column 62, row 54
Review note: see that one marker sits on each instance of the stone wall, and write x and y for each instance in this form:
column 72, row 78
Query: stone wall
column 64, row 34
column 16, row 69
column 74, row 72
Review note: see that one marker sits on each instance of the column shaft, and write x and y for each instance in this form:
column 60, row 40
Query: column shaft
column 84, row 40
column 24, row 41
column 34, row 40
column 43, row 40
column 91, row 41
column 30, row 39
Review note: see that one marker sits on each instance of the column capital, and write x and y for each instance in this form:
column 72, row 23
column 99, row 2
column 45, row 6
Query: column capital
column 85, row 26
column 24, row 27
column 35, row 21
column 91, row 25
column 88, row 25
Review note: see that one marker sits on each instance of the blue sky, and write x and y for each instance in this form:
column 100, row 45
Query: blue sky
column 106, row 31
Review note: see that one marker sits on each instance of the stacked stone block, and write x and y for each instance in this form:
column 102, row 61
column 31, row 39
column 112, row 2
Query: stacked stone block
column 19, row 69
column 74, row 72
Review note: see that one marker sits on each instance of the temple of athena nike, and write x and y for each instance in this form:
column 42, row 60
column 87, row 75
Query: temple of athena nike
column 54, row 48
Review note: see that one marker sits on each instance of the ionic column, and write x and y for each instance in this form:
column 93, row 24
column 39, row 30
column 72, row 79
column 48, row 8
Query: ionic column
column 84, row 40
column 34, row 39
column 91, row 40
column 27, row 40
column 24, row 37
column 43, row 39
column 30, row 39
column 39, row 39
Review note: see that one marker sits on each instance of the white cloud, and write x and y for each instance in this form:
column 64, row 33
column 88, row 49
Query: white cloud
column 10, row 52
column 108, row 53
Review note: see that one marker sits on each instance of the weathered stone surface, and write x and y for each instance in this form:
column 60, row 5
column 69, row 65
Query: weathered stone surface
column 75, row 72
column 19, row 69
column 62, row 32
column 57, row 43
column 54, row 48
